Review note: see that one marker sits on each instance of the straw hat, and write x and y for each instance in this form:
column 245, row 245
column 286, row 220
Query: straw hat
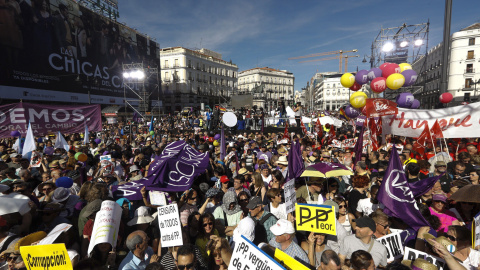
column 30, row 239
column 282, row 160
column 420, row 264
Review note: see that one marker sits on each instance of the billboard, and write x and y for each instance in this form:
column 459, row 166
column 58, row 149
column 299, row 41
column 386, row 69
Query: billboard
column 61, row 46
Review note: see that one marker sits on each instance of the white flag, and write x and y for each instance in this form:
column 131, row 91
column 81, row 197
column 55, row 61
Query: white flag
column 60, row 142
column 16, row 146
column 85, row 136
column 29, row 144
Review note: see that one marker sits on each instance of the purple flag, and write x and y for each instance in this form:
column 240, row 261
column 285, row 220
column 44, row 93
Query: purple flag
column 174, row 171
column 396, row 195
column 359, row 146
column 295, row 161
column 223, row 150
column 421, row 187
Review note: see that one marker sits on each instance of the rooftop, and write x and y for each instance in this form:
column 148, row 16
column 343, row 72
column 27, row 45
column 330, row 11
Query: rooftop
column 472, row 27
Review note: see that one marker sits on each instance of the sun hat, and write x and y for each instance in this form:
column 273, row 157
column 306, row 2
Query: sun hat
column 282, row 160
column 60, row 194
column 420, row 264
column 92, row 207
column 142, row 216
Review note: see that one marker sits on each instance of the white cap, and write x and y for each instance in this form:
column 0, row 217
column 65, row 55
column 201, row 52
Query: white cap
column 282, row 226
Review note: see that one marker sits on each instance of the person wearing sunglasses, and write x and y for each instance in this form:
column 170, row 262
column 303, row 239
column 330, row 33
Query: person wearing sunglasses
column 206, row 228
column 461, row 237
column 276, row 207
column 344, row 218
column 383, row 225
column 330, row 189
column 186, row 258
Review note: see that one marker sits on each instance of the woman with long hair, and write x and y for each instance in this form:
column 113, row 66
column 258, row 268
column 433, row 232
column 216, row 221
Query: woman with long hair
column 344, row 217
column 257, row 187
column 360, row 185
column 277, row 180
column 206, row 228
column 220, row 253
column 314, row 246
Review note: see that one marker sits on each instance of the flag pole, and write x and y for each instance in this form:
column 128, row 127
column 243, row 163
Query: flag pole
column 446, row 146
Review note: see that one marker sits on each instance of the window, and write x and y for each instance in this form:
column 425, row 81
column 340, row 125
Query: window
column 469, row 68
column 190, row 63
column 176, row 63
column 470, row 55
column 167, row 75
column 468, row 83
column 471, row 41
column 166, row 64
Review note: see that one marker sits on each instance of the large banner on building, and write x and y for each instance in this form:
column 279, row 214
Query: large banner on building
column 48, row 119
column 456, row 122
column 61, row 46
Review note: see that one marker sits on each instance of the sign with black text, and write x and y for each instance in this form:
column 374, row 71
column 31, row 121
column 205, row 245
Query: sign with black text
column 170, row 226
column 290, row 195
column 393, row 243
column 247, row 256
column 316, row 218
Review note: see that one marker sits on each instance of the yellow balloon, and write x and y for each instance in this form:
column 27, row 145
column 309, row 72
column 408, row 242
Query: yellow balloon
column 216, row 143
column 347, row 80
column 404, row 66
column 395, row 81
column 358, row 99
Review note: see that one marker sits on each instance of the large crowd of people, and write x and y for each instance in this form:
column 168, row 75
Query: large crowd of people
column 233, row 199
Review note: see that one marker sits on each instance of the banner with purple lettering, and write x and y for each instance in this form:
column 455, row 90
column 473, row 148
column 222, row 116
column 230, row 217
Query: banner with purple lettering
column 174, row 170
column 48, row 119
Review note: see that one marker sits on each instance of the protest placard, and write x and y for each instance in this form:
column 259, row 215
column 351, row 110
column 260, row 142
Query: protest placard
column 107, row 223
column 412, row 254
column 288, row 262
column 53, row 235
column 36, row 159
column 394, row 245
column 247, row 256
column 157, row 198
column 290, row 195
column 170, row 226
column 316, row 218
column 476, row 231
column 106, row 157
column 41, row 257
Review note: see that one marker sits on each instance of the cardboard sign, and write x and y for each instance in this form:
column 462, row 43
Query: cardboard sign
column 157, row 198
column 170, row 226
column 53, row 235
column 288, row 262
column 41, row 257
column 290, row 195
column 247, row 256
column 36, row 159
column 107, row 223
column 394, row 245
column 316, row 218
column 412, row 254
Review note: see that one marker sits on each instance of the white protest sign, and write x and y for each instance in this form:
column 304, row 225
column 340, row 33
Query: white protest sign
column 248, row 256
column 36, row 159
column 476, row 240
column 393, row 243
column 170, row 226
column 106, row 225
column 106, row 157
column 290, row 195
column 157, row 197
column 412, row 254
column 53, row 235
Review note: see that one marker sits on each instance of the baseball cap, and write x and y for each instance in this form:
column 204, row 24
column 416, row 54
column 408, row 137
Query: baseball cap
column 366, row 222
column 254, row 202
column 281, row 227
column 224, row 179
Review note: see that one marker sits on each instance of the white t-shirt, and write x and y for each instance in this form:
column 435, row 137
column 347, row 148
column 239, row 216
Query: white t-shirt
column 366, row 207
column 473, row 260
column 280, row 212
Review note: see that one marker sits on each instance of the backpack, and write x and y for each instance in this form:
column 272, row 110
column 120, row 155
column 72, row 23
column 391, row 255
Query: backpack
column 260, row 231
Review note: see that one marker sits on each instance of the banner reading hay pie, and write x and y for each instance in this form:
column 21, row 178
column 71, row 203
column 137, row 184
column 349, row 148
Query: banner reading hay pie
column 316, row 218
column 51, row 257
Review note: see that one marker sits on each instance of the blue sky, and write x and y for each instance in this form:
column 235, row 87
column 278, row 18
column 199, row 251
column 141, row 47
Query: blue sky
column 268, row 32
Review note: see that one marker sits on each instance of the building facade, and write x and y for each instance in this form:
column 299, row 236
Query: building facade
column 268, row 86
column 429, row 70
column 329, row 94
column 191, row 77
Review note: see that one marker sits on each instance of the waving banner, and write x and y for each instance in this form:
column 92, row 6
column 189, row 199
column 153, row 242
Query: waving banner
column 174, row 170
column 48, row 119
column 456, row 122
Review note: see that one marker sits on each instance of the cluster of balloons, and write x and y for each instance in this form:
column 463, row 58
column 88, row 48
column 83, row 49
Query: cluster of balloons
column 407, row 101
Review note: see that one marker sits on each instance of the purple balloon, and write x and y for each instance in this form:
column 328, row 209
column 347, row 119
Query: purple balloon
column 15, row 133
column 216, row 137
column 415, row 104
column 361, row 77
column 374, row 73
column 410, row 77
column 405, row 100
column 351, row 112
column 98, row 140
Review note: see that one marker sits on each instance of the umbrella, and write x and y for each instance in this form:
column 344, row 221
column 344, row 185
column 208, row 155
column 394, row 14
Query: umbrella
column 326, row 169
column 468, row 193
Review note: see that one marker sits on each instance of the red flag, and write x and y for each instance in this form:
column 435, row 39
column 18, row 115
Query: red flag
column 420, row 149
column 436, row 131
column 425, row 137
column 376, row 107
column 331, row 135
column 304, row 129
column 373, row 134
column 285, row 133
column 319, row 129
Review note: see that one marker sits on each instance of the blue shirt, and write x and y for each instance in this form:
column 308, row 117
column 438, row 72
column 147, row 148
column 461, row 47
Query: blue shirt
column 132, row 262
column 293, row 250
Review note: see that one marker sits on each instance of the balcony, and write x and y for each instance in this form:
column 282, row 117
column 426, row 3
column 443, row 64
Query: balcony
column 469, row 70
column 467, row 87
column 470, row 58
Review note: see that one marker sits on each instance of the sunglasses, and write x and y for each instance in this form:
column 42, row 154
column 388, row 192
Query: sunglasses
column 334, row 185
column 188, row 266
column 384, row 226
column 244, row 200
column 207, row 224
column 452, row 238
column 194, row 198
column 341, row 206
column 9, row 259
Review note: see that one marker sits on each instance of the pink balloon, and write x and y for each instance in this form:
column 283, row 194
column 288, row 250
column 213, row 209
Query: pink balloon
column 356, row 86
column 390, row 69
column 446, row 98
column 379, row 84
column 382, row 66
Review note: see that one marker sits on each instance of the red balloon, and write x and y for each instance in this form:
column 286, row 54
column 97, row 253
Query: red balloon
column 390, row 69
column 446, row 98
column 356, row 86
column 382, row 66
column 378, row 85
column 210, row 139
